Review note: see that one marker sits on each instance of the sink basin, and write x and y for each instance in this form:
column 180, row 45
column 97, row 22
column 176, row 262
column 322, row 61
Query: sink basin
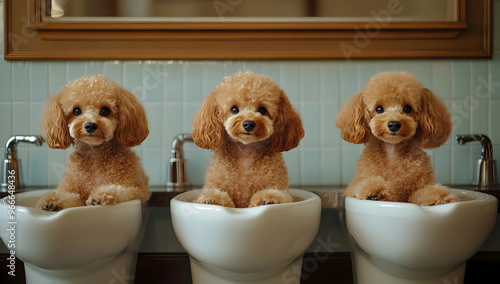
column 85, row 244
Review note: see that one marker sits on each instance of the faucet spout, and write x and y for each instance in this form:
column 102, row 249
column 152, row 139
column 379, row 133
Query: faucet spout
column 178, row 178
column 10, row 172
column 176, row 151
column 486, row 146
column 485, row 173
column 10, row 146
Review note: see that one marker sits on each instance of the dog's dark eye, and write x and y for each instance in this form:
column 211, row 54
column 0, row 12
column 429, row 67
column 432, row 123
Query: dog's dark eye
column 234, row 110
column 77, row 111
column 105, row 111
column 262, row 110
column 379, row 109
column 407, row 109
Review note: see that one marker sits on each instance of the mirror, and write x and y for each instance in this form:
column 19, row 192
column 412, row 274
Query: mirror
column 337, row 10
column 113, row 29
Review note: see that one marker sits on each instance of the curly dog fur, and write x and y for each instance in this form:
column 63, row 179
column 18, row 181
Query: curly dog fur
column 247, row 121
column 395, row 117
column 102, row 120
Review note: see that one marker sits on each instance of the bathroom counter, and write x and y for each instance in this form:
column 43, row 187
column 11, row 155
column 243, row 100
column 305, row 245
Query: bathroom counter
column 331, row 196
column 161, row 254
column 492, row 190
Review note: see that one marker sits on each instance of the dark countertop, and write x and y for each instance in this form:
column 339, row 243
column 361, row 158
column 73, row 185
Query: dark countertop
column 331, row 196
column 159, row 236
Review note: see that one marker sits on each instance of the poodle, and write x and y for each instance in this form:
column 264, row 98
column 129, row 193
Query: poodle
column 247, row 121
column 102, row 120
column 395, row 117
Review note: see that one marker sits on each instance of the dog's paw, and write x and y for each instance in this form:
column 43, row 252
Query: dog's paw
column 375, row 197
column 433, row 195
column 110, row 194
column 215, row 197
column 213, row 201
column 270, row 196
column 101, row 199
column 52, row 207
column 56, row 201
column 105, row 195
column 379, row 194
column 375, row 188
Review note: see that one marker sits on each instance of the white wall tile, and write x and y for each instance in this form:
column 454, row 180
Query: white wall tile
column 57, row 76
column 20, row 81
column 311, row 166
column 192, row 82
column 441, row 78
column 331, row 166
column 75, row 70
column 153, row 76
column 461, row 79
column 5, row 80
column 38, row 79
column 5, row 122
column 316, row 88
column 94, row 67
column 311, row 116
column 348, row 81
column 113, row 70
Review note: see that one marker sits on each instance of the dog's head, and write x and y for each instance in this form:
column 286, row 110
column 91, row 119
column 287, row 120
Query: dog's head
column 393, row 106
column 247, row 108
column 93, row 109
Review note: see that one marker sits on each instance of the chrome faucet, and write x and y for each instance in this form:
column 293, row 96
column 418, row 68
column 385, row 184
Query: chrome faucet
column 11, row 165
column 178, row 178
column 485, row 173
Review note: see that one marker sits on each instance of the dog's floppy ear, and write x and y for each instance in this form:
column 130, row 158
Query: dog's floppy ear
column 208, row 131
column 132, row 126
column 351, row 121
column 288, row 130
column 54, row 122
column 435, row 122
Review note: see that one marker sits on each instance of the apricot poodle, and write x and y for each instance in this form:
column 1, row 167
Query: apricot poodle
column 247, row 121
column 102, row 120
column 395, row 117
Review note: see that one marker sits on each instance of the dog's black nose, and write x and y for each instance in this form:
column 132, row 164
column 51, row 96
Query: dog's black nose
column 248, row 125
column 394, row 125
column 90, row 127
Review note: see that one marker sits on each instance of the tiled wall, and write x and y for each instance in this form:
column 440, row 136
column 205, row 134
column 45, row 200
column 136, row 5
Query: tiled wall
column 172, row 92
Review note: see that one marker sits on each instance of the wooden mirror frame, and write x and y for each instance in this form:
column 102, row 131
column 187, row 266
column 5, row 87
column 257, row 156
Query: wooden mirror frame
column 29, row 35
